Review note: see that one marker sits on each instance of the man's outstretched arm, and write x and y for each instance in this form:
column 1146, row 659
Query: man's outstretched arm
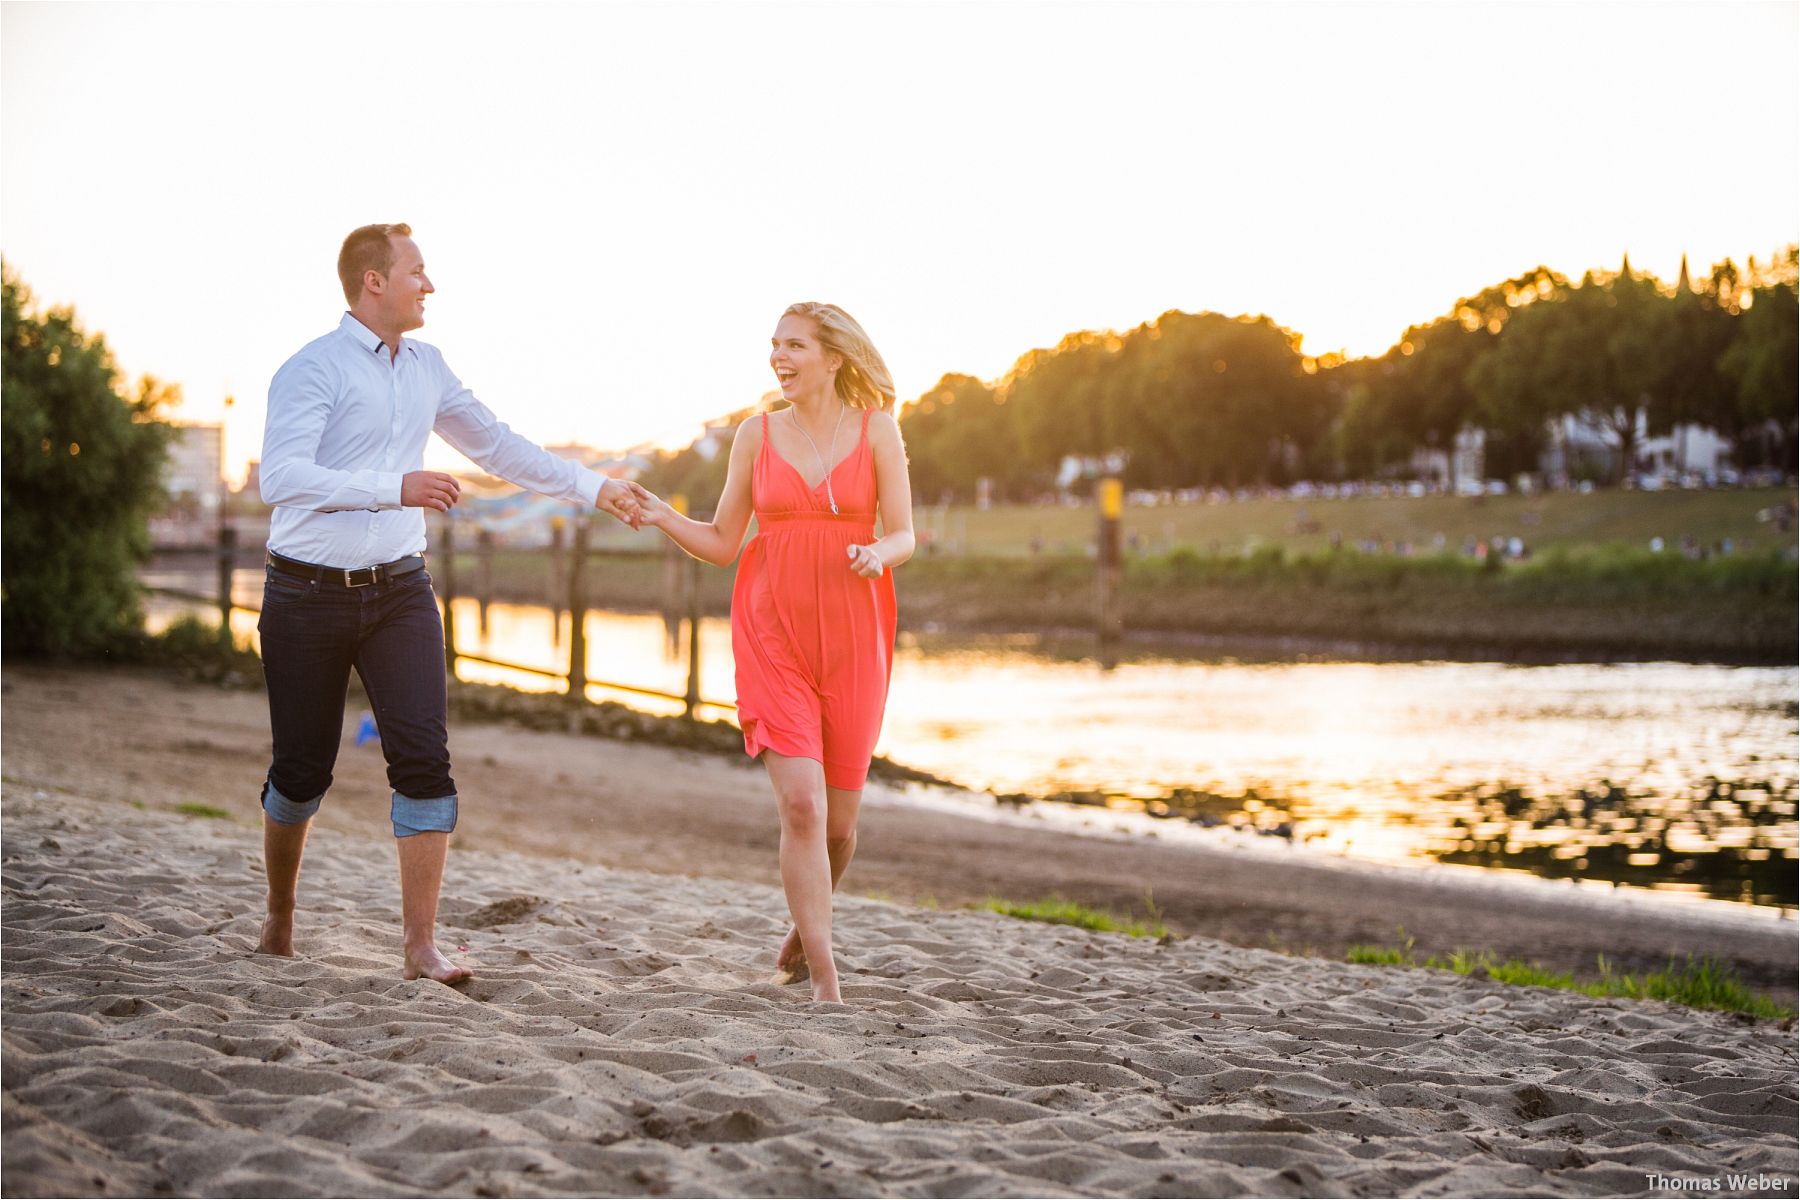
column 472, row 428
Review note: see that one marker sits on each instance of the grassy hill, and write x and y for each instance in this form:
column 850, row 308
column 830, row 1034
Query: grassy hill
column 1601, row 521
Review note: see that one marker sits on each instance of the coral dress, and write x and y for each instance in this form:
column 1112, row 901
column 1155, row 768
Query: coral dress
column 813, row 640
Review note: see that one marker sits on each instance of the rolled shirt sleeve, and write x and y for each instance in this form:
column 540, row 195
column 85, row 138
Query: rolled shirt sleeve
column 301, row 398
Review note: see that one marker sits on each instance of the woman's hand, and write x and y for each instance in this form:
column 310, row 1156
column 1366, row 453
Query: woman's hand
column 865, row 562
column 618, row 498
column 652, row 510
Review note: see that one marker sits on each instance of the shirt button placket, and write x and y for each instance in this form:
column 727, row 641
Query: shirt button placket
column 390, row 455
column 397, row 416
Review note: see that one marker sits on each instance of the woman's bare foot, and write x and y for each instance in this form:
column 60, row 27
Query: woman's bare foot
column 825, row 988
column 430, row 962
column 277, row 935
column 790, row 961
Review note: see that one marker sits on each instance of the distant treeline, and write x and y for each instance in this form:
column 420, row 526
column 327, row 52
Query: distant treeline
column 1205, row 400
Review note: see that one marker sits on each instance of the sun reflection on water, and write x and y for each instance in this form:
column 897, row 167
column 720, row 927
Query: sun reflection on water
column 1575, row 769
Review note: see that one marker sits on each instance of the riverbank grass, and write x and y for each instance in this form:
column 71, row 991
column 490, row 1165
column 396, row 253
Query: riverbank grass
column 1695, row 984
column 1067, row 912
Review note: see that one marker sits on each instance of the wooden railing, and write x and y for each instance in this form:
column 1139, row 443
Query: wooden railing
column 568, row 567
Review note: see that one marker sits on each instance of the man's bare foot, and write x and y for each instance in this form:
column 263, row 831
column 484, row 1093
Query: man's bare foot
column 790, row 961
column 277, row 935
column 430, row 962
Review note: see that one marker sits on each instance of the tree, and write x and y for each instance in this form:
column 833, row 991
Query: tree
column 1202, row 398
column 1760, row 364
column 1693, row 335
column 959, row 431
column 1513, row 383
column 1597, row 351
column 1365, row 439
column 82, row 474
column 1430, row 390
column 1055, row 401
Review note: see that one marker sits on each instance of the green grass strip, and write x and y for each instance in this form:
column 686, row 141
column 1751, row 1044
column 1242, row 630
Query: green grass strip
column 1703, row 984
column 1067, row 912
column 203, row 810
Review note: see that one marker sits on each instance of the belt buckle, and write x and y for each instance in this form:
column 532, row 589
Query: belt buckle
column 350, row 577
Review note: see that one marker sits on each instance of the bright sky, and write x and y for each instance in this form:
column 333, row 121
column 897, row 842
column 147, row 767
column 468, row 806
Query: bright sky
column 617, row 200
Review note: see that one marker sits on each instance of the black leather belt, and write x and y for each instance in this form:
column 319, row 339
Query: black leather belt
column 350, row 577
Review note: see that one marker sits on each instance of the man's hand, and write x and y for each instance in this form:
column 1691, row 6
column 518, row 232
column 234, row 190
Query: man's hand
column 429, row 489
column 617, row 497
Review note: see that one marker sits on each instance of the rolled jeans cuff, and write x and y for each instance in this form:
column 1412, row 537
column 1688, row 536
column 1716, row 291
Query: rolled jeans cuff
column 436, row 815
column 283, row 811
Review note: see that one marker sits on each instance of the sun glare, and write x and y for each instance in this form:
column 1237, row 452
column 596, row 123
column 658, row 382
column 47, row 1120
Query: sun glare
column 988, row 235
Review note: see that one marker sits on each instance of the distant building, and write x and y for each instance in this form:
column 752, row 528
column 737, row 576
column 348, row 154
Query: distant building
column 1687, row 450
column 195, row 474
column 1460, row 467
column 1575, row 449
column 622, row 466
column 715, row 438
column 576, row 452
column 194, row 487
column 613, row 466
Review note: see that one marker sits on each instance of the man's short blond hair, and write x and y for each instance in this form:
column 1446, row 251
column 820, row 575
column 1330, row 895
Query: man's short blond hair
column 367, row 249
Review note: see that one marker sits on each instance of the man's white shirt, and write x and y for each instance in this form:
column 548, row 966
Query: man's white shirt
column 346, row 423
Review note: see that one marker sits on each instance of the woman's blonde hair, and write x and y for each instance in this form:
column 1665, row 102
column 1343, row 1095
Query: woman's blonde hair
column 863, row 380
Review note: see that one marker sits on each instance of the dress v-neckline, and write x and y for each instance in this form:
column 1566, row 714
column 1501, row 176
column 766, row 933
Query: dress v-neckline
column 782, row 458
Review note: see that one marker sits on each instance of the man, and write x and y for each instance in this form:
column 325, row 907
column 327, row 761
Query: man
column 342, row 456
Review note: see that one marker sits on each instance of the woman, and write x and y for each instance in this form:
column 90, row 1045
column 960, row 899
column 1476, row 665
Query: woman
column 812, row 611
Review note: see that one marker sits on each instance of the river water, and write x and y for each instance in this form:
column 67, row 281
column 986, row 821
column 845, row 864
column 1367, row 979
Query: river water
column 1677, row 777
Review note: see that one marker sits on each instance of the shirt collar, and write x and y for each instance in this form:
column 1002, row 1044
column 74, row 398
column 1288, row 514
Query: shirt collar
column 367, row 338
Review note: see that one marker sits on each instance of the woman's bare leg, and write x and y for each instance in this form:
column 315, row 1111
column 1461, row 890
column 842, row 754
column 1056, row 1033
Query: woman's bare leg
column 799, row 785
column 841, row 807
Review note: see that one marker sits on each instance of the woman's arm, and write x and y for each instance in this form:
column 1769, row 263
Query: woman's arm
column 893, row 492
column 719, row 540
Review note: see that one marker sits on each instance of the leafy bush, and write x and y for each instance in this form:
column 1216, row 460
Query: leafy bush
column 193, row 647
column 80, row 473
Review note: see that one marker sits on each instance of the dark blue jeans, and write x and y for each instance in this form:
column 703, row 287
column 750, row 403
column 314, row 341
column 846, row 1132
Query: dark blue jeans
column 312, row 635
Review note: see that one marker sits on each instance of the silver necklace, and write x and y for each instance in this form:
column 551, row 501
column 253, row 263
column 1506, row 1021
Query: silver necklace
column 829, row 498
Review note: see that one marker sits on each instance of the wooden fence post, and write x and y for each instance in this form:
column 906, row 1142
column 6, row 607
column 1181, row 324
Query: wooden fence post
column 227, row 564
column 484, row 575
column 578, row 611
column 554, row 593
column 446, row 585
column 1108, row 618
column 674, row 582
column 691, row 700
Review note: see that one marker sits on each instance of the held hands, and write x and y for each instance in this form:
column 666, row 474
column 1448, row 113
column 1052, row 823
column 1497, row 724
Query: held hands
column 865, row 562
column 429, row 489
column 653, row 510
column 634, row 504
column 621, row 500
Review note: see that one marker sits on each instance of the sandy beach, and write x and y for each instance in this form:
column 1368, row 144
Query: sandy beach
column 153, row 739
column 621, row 1037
